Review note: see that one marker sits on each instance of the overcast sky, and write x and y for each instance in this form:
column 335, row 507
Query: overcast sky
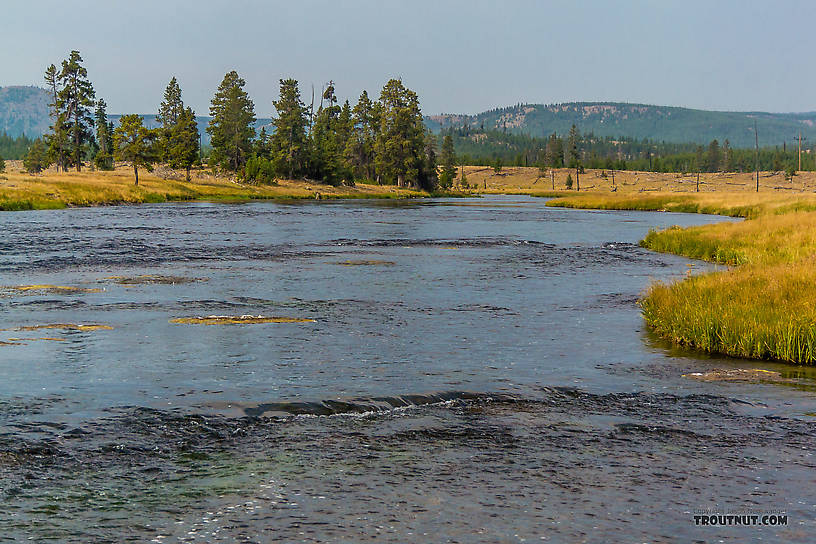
column 459, row 56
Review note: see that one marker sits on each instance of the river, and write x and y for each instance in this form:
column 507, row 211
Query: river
column 455, row 370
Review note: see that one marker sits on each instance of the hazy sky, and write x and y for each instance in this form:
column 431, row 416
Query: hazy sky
column 460, row 56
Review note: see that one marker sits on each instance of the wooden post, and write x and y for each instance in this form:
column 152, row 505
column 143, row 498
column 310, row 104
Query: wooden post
column 800, row 151
column 698, row 181
column 756, row 153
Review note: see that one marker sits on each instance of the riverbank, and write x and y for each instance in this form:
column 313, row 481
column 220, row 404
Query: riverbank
column 764, row 305
column 53, row 190
column 647, row 190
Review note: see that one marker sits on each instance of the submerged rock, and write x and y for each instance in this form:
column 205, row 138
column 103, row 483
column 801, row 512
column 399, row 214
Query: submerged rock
column 366, row 262
column 63, row 326
column 738, row 375
column 237, row 320
column 148, row 279
column 56, row 289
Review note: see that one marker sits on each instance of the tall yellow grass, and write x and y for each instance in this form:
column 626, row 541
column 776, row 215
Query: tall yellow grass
column 765, row 306
column 20, row 191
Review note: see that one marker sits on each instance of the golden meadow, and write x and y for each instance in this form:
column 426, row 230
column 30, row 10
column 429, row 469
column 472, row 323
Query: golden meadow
column 764, row 305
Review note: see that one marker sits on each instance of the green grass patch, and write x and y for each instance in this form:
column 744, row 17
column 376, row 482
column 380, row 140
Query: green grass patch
column 762, row 308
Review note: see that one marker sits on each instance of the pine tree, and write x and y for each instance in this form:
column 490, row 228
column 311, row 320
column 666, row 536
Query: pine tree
column 2, row 165
column 325, row 155
column 36, row 160
column 170, row 111
column 231, row 127
column 714, row 156
column 429, row 171
column 448, row 160
column 345, row 126
column 263, row 145
column 497, row 165
column 172, row 107
column 359, row 150
column 728, row 157
column 554, row 152
column 134, row 143
column 288, row 142
column 183, row 142
column 58, row 138
column 74, row 102
column 401, row 137
column 104, row 138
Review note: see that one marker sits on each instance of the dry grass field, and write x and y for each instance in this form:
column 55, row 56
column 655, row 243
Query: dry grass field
column 51, row 189
column 521, row 179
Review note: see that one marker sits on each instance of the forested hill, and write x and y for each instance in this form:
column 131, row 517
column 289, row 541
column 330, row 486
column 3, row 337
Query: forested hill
column 638, row 121
column 25, row 110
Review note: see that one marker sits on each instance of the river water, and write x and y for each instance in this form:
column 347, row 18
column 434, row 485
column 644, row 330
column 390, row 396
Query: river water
column 460, row 371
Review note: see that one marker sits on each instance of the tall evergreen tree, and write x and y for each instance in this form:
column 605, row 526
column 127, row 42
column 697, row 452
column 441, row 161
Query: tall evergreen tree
column 554, row 153
column 134, row 143
column 183, row 142
column 714, row 156
column 359, row 151
column 172, row 107
column 170, row 111
column 231, row 128
column 728, row 157
column 345, row 126
column 328, row 139
column 74, row 102
column 57, row 139
column 288, row 142
column 104, row 138
column 401, row 137
column 429, row 170
column 448, row 160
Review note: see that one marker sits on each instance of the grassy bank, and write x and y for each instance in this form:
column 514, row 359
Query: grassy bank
column 21, row 191
column 764, row 306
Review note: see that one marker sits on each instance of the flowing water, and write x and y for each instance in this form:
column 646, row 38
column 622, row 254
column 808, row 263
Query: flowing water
column 447, row 371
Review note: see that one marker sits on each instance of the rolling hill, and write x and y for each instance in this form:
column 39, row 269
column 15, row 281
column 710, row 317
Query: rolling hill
column 657, row 123
column 25, row 110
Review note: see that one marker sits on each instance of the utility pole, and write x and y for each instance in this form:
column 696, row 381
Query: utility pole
column 756, row 155
column 800, row 149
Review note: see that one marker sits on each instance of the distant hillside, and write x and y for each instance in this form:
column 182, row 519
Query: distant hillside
column 657, row 123
column 23, row 110
column 150, row 121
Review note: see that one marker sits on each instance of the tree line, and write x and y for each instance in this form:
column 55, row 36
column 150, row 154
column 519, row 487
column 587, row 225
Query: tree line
column 383, row 140
column 80, row 132
column 479, row 147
